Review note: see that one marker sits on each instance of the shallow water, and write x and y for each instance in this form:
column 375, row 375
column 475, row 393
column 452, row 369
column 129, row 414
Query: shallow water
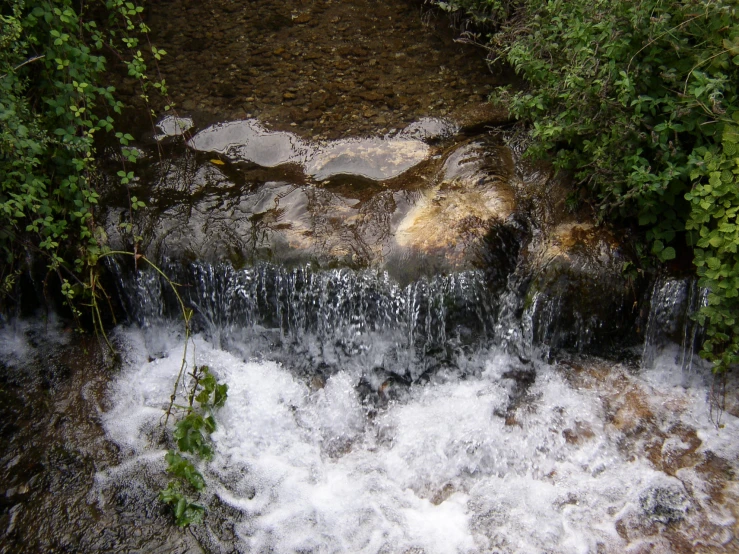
column 325, row 68
column 342, row 133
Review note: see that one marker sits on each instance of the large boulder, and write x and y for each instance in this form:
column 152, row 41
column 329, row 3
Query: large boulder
column 472, row 191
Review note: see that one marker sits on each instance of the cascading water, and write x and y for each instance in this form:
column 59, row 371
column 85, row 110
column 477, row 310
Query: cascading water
column 365, row 416
column 671, row 330
column 323, row 320
column 406, row 411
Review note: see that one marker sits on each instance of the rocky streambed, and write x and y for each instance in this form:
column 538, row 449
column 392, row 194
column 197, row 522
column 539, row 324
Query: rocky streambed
column 403, row 306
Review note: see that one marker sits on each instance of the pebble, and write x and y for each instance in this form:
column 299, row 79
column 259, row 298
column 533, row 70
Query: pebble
column 387, row 58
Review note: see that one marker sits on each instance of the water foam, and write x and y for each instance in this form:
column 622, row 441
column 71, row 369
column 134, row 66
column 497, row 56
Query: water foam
column 447, row 466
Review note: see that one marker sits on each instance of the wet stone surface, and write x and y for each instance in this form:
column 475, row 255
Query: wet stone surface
column 239, row 193
column 319, row 131
column 53, row 387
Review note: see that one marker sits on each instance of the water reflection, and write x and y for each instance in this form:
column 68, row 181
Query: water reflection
column 377, row 159
column 239, row 192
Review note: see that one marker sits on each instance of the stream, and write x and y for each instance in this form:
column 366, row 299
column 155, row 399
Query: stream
column 425, row 351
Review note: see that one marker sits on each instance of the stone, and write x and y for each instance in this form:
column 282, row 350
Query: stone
column 453, row 216
column 578, row 297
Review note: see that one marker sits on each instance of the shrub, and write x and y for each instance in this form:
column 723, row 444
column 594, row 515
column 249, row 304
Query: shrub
column 53, row 103
column 638, row 100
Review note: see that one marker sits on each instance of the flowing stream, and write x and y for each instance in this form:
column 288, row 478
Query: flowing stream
column 399, row 381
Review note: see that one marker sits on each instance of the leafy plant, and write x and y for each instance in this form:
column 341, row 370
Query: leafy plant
column 192, row 435
column 54, row 101
column 185, row 511
column 714, row 223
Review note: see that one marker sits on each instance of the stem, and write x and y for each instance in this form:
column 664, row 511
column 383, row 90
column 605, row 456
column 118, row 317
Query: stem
column 29, row 60
column 186, row 316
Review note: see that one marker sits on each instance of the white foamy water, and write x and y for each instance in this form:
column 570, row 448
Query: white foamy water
column 450, row 466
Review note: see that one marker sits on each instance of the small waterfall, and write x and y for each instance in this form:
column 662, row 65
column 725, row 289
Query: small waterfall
column 670, row 323
column 322, row 320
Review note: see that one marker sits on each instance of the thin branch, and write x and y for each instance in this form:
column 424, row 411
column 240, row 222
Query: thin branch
column 29, row 60
column 655, row 39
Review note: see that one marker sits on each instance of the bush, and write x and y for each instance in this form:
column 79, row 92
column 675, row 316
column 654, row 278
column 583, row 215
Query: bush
column 638, row 100
column 53, row 103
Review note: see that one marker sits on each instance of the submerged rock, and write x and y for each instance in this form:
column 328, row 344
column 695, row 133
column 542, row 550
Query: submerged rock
column 473, row 190
column 478, row 115
column 430, row 128
column 249, row 141
column 373, row 158
column 377, row 159
column 172, row 126
column 578, row 297
column 667, row 503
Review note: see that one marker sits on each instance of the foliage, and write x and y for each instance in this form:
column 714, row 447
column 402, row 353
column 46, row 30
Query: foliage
column 54, row 101
column 192, row 434
column 480, row 12
column 715, row 201
column 637, row 100
column 185, row 511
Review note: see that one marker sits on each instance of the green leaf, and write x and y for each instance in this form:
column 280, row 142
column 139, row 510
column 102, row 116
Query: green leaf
column 713, row 263
column 221, row 394
column 667, row 254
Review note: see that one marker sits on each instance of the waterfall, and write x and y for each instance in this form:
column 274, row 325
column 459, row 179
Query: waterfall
column 671, row 329
column 322, row 319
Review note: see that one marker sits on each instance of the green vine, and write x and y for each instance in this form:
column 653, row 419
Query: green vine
column 192, row 435
column 54, row 102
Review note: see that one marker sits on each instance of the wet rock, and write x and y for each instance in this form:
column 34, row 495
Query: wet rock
column 578, row 297
column 429, row 129
column 249, row 141
column 498, row 255
column 673, row 302
column 473, row 192
column 371, row 158
column 374, row 158
column 666, row 503
column 478, row 114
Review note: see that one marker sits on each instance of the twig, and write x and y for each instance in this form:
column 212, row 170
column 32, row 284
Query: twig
column 655, row 39
column 29, row 60
column 186, row 316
